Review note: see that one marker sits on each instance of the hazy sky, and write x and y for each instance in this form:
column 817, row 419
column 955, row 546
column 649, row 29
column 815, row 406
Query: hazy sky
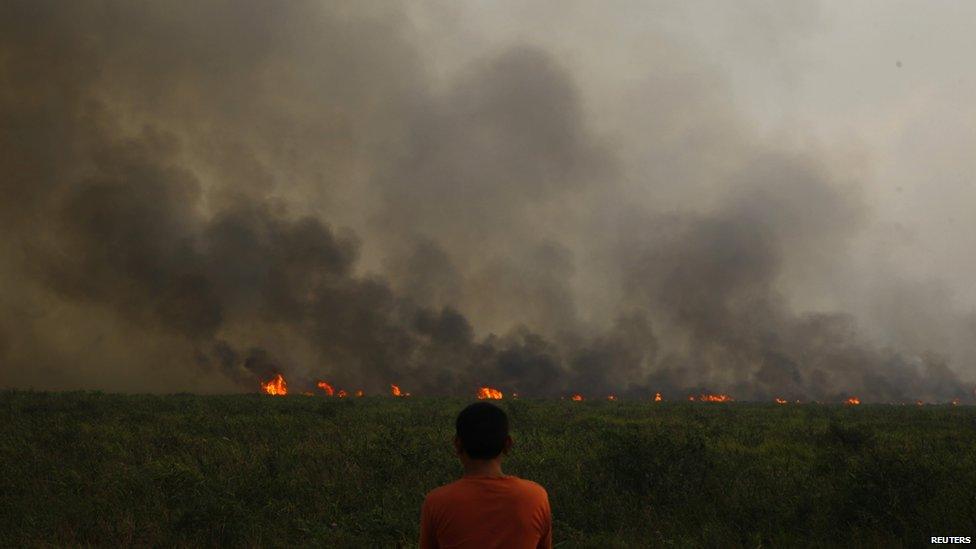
column 884, row 86
column 888, row 83
column 891, row 81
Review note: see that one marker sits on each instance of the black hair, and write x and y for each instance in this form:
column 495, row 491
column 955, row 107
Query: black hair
column 482, row 428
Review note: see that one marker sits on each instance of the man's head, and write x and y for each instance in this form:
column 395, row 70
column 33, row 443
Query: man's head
column 482, row 431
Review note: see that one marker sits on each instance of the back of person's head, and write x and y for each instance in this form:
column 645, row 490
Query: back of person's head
column 482, row 428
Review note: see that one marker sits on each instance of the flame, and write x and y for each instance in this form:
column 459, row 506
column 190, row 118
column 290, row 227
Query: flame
column 324, row 385
column 712, row 398
column 489, row 393
column 276, row 386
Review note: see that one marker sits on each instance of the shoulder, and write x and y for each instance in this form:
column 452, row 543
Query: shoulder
column 441, row 494
column 533, row 488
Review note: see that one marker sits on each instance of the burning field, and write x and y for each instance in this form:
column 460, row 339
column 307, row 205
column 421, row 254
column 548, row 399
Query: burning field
column 254, row 470
column 290, row 239
column 278, row 386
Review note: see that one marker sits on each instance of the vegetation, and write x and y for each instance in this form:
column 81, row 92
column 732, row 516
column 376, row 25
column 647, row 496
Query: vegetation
column 105, row 469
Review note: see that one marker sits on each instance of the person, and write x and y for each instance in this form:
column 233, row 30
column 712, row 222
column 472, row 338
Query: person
column 485, row 508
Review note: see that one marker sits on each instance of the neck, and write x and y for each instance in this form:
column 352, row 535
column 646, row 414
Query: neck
column 483, row 467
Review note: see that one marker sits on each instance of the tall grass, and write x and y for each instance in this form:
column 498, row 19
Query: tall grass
column 105, row 469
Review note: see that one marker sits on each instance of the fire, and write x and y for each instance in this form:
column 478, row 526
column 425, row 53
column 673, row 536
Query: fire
column 955, row 402
column 612, row 397
column 324, row 385
column 712, row 398
column 853, row 401
column 360, row 393
column 658, row 397
column 395, row 391
column 919, row 403
column 489, row 393
column 576, row 397
column 343, row 393
column 780, row 400
column 514, row 395
column 276, row 386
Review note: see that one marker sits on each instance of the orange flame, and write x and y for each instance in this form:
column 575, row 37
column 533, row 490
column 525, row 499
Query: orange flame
column 853, row 401
column 919, row 403
column 576, row 397
column 612, row 397
column 712, row 398
column 276, row 386
column 658, row 397
column 489, row 393
column 395, row 390
column 324, row 385
column 343, row 393
column 780, row 400
column 360, row 393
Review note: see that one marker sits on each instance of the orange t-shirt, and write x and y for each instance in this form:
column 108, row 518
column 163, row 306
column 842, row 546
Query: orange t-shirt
column 486, row 512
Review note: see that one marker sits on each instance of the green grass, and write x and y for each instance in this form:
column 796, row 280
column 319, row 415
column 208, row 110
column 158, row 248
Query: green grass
column 103, row 469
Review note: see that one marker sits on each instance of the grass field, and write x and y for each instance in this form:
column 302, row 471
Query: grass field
column 103, row 469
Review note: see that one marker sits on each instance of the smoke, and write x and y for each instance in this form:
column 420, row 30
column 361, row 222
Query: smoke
column 199, row 196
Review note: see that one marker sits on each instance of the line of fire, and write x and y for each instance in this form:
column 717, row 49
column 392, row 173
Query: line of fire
column 277, row 386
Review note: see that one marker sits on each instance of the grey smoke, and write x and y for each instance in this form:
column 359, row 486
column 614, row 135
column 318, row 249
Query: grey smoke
column 199, row 196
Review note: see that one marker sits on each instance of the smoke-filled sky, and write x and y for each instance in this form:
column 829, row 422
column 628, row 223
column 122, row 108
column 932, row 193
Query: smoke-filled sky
column 762, row 198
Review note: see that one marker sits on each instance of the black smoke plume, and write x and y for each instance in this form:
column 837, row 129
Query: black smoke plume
column 197, row 196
